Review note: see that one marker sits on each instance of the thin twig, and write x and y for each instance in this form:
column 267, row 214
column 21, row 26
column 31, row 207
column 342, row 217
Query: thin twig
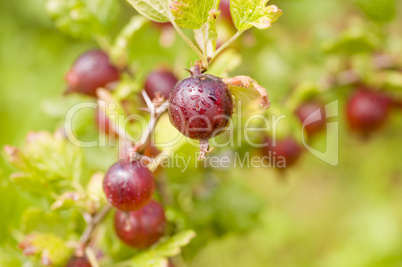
column 91, row 225
column 156, row 113
column 190, row 43
column 91, row 257
column 226, row 44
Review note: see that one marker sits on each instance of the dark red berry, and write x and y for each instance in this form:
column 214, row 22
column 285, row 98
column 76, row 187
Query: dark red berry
column 200, row 107
column 91, row 71
column 224, row 7
column 367, row 110
column 128, row 185
column 103, row 123
column 143, row 227
column 284, row 152
column 160, row 83
column 78, row 262
column 305, row 110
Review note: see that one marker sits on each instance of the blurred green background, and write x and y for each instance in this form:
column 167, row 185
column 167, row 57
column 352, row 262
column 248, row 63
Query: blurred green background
column 349, row 215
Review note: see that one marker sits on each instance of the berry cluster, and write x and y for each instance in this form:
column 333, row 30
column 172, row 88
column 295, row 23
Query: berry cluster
column 128, row 186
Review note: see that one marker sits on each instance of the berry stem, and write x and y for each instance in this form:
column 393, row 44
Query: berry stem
column 91, row 257
column 92, row 222
column 156, row 113
column 204, row 149
column 190, row 43
column 226, row 44
column 104, row 42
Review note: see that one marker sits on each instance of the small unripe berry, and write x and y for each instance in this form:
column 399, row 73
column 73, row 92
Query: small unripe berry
column 285, row 152
column 305, row 110
column 128, row 185
column 200, row 107
column 367, row 111
column 143, row 227
column 160, row 83
column 91, row 71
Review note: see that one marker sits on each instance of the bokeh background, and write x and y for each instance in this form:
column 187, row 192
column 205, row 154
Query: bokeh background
column 318, row 215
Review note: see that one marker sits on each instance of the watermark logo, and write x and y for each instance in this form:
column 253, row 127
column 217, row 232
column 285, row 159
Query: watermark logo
column 235, row 135
column 331, row 153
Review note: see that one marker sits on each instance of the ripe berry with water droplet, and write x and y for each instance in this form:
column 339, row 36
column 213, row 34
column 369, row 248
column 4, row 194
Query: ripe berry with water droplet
column 128, row 185
column 200, row 107
column 141, row 228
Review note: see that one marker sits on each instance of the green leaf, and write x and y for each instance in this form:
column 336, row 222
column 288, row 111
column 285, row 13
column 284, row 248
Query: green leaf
column 246, row 90
column 51, row 250
column 192, row 14
column 69, row 200
column 168, row 139
column 47, row 162
column 36, row 220
column 172, row 246
column 156, row 256
column 249, row 13
column 207, row 35
column 302, row 93
column 83, row 18
column 119, row 50
column 94, row 187
column 353, row 41
column 378, row 10
column 30, row 184
column 226, row 213
column 9, row 257
column 390, row 80
column 57, row 107
column 156, row 10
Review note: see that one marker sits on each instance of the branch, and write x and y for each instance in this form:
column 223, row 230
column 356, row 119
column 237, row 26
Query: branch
column 156, row 113
column 190, row 43
column 226, row 44
column 92, row 222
